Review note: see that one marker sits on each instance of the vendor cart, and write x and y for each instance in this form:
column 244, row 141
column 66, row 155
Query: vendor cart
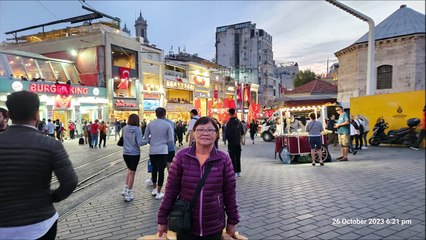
column 291, row 148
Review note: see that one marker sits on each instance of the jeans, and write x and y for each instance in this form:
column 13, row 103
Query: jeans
column 94, row 139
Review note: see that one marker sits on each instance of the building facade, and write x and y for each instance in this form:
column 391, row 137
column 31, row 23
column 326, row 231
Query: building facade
column 248, row 52
column 399, row 58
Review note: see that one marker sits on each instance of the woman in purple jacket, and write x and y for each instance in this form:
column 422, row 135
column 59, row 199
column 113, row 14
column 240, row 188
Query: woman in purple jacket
column 218, row 193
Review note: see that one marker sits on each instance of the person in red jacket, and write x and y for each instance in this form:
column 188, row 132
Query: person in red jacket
column 218, row 195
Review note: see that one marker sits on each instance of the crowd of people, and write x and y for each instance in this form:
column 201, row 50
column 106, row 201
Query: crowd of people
column 29, row 212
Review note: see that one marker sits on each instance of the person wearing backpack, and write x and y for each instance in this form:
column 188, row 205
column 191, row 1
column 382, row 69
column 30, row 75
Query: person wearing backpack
column 234, row 133
column 360, row 124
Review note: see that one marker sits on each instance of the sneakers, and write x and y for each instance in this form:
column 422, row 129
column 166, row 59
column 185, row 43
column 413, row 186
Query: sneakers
column 364, row 148
column 159, row 195
column 414, row 148
column 125, row 189
column 354, row 152
column 238, row 174
column 128, row 196
column 154, row 192
column 148, row 182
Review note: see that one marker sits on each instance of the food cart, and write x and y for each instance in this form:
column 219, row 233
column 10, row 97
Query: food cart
column 293, row 148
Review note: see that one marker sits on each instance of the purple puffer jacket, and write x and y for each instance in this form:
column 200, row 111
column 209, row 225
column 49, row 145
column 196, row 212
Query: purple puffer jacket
column 217, row 195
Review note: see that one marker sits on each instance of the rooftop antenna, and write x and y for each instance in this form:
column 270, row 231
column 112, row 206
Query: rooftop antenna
column 171, row 50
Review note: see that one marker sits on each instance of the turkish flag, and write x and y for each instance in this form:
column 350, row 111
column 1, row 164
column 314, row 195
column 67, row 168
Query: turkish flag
column 247, row 93
column 124, row 73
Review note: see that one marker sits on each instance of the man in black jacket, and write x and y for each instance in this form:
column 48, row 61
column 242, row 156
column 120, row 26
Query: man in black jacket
column 234, row 131
column 27, row 159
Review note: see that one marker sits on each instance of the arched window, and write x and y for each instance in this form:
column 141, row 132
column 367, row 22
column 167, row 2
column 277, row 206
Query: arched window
column 384, row 77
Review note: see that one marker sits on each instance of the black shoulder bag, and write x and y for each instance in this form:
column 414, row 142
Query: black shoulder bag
column 180, row 217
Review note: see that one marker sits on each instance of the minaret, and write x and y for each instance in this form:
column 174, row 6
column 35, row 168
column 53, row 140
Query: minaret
column 141, row 28
column 126, row 30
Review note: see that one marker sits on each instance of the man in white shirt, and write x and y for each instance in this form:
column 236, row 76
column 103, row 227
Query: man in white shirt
column 50, row 128
column 194, row 118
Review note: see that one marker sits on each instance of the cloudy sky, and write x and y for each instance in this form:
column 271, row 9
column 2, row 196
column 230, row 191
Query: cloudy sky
column 306, row 32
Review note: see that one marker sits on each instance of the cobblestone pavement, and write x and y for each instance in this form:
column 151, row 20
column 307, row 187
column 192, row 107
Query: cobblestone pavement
column 377, row 194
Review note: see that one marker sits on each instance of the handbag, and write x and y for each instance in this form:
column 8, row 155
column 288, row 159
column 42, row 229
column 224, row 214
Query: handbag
column 120, row 141
column 180, row 217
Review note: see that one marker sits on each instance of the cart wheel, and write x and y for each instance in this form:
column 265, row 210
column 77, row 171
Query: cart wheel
column 325, row 154
column 267, row 137
column 284, row 155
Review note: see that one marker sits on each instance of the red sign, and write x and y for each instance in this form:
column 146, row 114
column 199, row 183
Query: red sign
column 63, row 102
column 151, row 96
column 124, row 103
column 58, row 88
column 247, row 93
column 215, row 94
column 199, row 82
column 239, row 93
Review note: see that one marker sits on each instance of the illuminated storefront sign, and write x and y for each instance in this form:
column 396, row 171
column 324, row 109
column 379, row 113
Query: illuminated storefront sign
column 125, row 104
column 150, row 104
column 151, row 96
column 179, row 85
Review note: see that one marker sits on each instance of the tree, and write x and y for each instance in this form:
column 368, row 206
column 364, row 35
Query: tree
column 303, row 77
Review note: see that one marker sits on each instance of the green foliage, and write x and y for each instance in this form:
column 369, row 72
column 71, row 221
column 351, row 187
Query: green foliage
column 304, row 77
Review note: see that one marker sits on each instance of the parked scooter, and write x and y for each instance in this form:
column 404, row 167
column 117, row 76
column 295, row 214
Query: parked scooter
column 405, row 136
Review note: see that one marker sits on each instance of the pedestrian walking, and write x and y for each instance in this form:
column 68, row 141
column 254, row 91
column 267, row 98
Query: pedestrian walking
column 94, row 133
column 143, row 126
column 234, row 132
column 26, row 205
column 360, row 124
column 218, row 195
column 314, row 129
column 71, row 128
column 171, row 146
column 85, row 132
column 243, row 137
column 366, row 128
column 117, row 127
column 4, row 118
column 58, row 130
column 224, row 132
column 354, row 135
column 332, row 135
column 159, row 134
column 50, row 128
column 180, row 129
column 194, row 118
column 253, row 130
column 343, row 130
column 102, row 133
column 42, row 127
column 89, row 135
column 132, row 140
column 422, row 133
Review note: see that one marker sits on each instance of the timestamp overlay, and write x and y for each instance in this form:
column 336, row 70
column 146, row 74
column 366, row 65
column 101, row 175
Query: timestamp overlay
column 371, row 221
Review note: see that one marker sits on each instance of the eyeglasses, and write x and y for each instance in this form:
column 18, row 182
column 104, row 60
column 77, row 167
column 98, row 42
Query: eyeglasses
column 208, row 131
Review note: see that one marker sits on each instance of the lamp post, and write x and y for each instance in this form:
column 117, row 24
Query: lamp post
column 371, row 82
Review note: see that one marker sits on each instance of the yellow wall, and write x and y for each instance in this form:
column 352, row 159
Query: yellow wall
column 395, row 108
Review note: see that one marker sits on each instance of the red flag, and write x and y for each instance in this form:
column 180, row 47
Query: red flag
column 215, row 94
column 247, row 93
column 124, row 73
column 239, row 93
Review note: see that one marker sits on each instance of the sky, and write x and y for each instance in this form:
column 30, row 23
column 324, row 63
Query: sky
column 306, row 32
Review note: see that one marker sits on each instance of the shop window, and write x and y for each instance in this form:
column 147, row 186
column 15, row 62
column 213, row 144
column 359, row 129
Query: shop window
column 59, row 72
column 179, row 96
column 17, row 66
column 124, row 88
column 46, row 70
column 124, row 58
column 2, row 68
column 384, row 77
column 31, row 68
column 151, row 82
column 72, row 72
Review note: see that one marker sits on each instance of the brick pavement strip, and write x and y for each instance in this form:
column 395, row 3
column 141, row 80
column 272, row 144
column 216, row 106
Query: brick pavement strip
column 279, row 201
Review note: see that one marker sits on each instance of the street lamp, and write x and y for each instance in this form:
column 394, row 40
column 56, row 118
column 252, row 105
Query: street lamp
column 371, row 82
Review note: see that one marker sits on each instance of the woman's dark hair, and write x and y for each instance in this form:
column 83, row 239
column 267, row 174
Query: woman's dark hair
column 23, row 106
column 312, row 116
column 133, row 120
column 204, row 121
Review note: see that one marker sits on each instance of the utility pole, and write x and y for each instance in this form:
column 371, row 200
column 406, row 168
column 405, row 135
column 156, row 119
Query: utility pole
column 371, row 81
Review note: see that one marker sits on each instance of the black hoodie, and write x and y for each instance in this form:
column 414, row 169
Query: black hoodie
column 234, row 130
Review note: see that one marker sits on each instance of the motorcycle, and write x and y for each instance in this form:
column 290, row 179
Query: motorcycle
column 405, row 136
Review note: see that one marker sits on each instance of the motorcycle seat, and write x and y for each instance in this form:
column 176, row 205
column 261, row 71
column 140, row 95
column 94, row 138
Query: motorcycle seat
column 394, row 132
